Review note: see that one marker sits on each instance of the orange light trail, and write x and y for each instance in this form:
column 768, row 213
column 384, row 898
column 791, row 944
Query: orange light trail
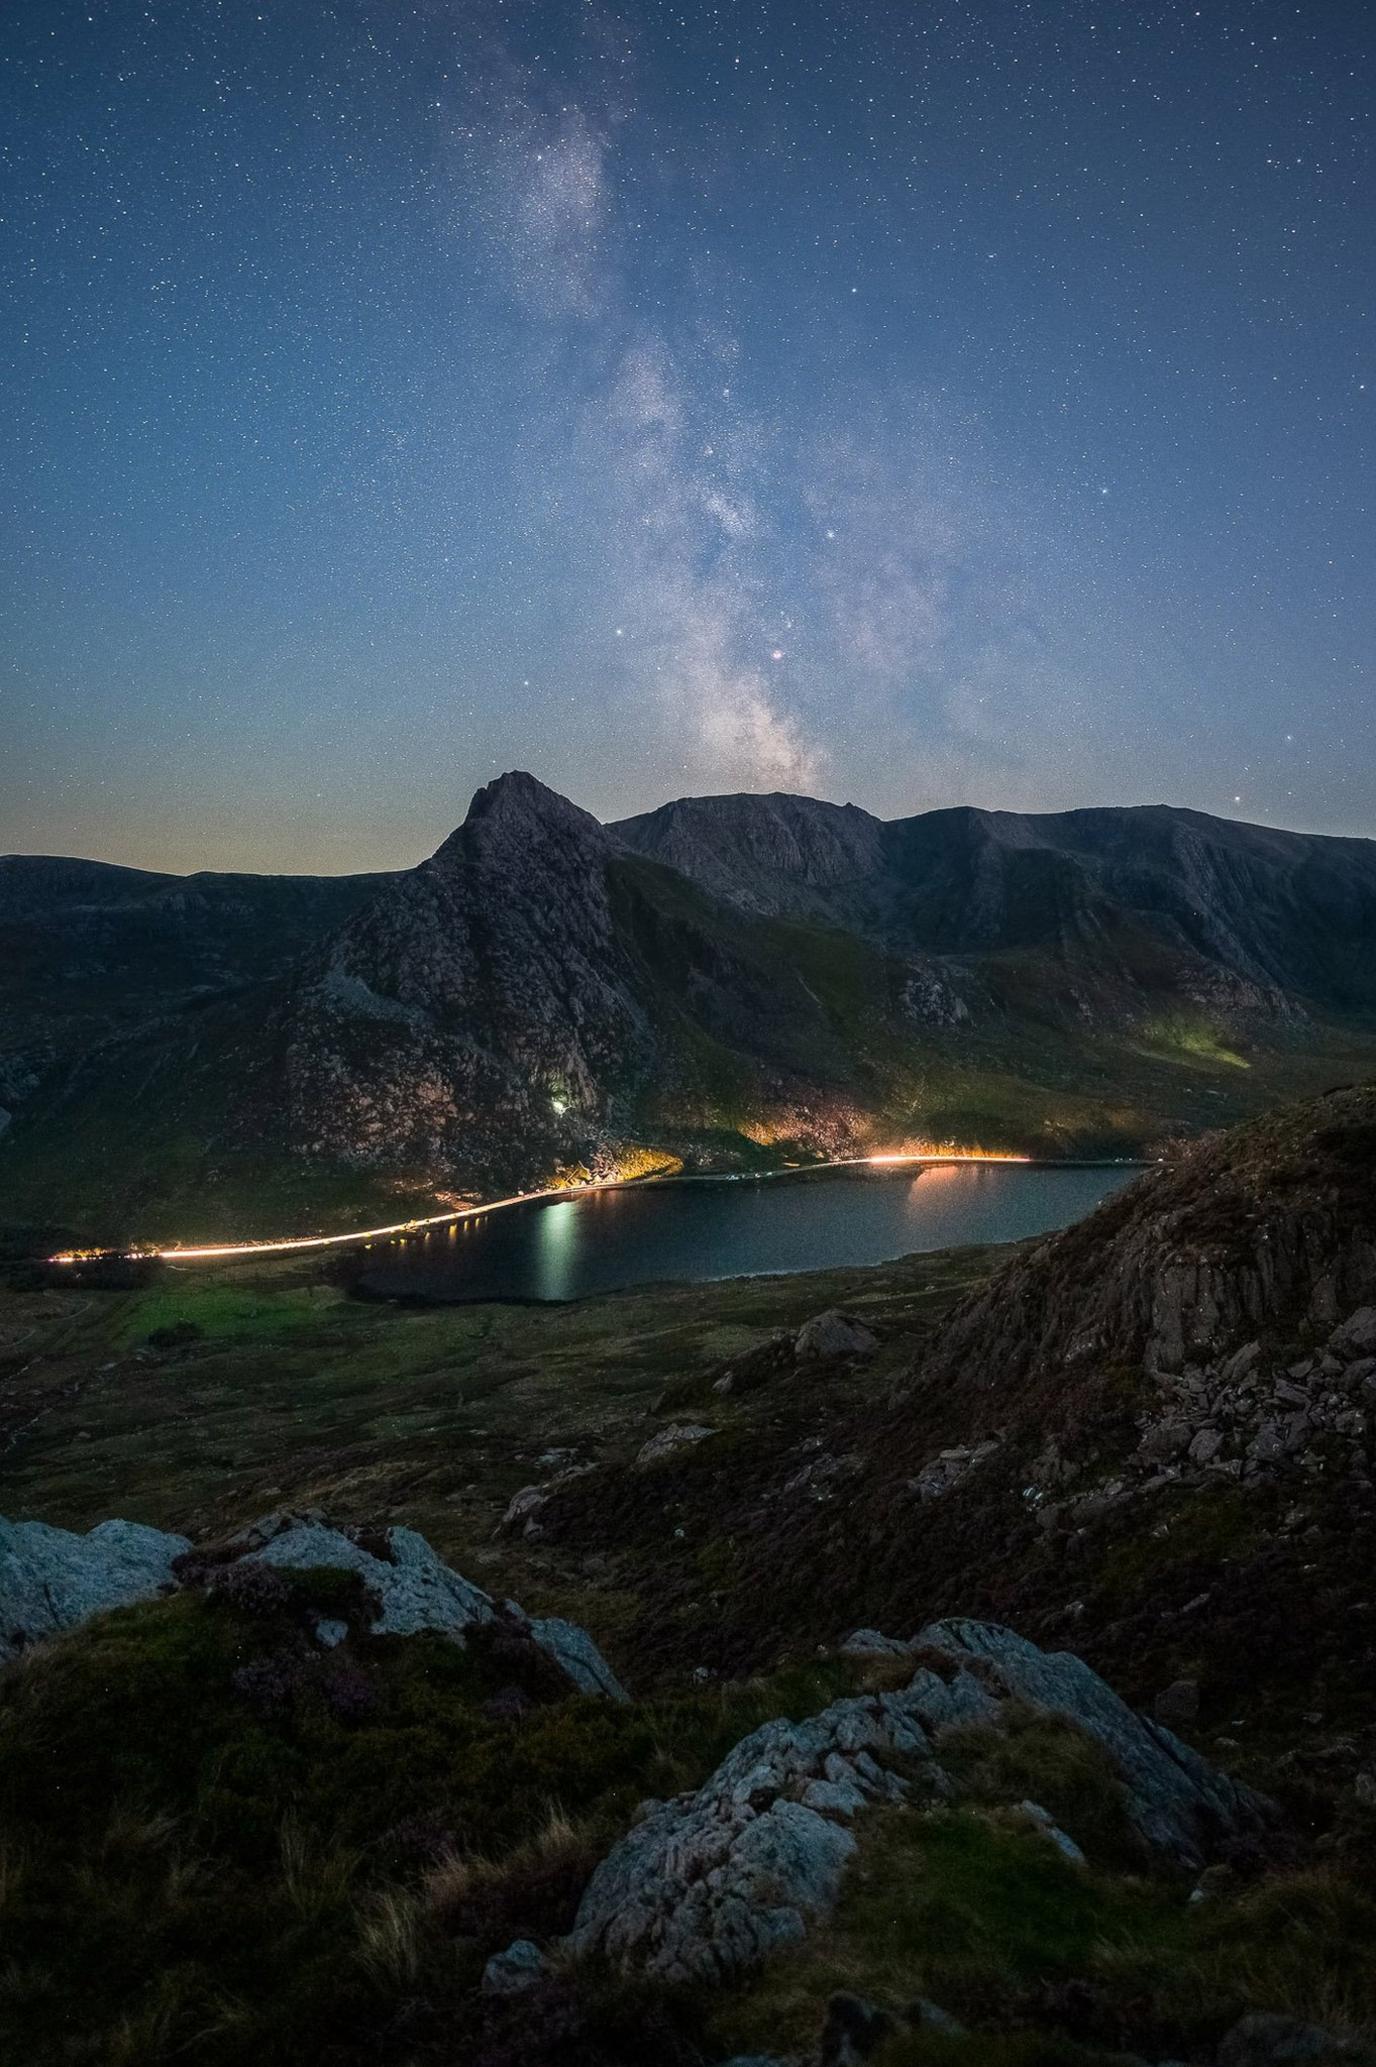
column 211, row 1252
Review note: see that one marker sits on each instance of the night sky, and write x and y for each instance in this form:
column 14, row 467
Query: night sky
column 907, row 403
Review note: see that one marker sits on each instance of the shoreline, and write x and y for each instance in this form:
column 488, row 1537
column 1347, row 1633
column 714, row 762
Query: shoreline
column 287, row 1245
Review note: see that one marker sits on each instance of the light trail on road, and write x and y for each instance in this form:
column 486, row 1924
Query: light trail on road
column 282, row 1245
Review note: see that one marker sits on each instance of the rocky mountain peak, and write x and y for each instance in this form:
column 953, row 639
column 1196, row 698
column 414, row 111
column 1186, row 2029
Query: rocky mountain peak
column 517, row 808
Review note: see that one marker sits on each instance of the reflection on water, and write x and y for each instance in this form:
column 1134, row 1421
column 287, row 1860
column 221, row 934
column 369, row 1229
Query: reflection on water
column 732, row 1227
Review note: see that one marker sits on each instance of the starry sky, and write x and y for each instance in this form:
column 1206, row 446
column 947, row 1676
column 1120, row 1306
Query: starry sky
column 909, row 402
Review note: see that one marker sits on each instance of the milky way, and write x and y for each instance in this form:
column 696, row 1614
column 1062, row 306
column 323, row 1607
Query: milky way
column 905, row 404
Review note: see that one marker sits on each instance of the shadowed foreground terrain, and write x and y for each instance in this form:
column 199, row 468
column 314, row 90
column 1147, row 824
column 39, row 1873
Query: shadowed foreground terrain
column 249, row 1817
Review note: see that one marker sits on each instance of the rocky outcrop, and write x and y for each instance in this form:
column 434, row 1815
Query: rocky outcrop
column 678, row 1436
column 1243, row 1419
column 715, row 1880
column 51, row 1581
column 1267, row 1229
column 1178, row 1802
column 834, row 1335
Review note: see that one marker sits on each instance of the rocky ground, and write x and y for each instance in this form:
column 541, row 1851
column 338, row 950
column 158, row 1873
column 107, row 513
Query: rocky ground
column 858, row 1550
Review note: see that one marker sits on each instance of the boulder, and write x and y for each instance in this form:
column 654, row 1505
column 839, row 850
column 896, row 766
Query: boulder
column 1177, row 1706
column 523, row 1965
column 1357, row 1335
column 833, row 1334
column 1273, row 2041
column 522, row 1509
column 713, row 1881
column 1178, row 1802
column 416, row 1588
column 578, row 1657
column 678, row 1435
column 52, row 1579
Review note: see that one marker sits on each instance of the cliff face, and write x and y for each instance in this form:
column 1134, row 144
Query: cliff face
column 1271, row 1228
column 483, row 1000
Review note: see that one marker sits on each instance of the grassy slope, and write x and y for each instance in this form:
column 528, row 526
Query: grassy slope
column 297, row 1394
column 258, row 1889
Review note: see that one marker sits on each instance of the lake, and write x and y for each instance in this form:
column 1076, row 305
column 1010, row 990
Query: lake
column 705, row 1228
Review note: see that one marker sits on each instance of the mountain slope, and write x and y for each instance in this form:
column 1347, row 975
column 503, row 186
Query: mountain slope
column 1234, row 914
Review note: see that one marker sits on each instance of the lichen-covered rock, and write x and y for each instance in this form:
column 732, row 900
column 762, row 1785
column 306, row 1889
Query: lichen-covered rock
column 417, row 1589
column 1176, row 1799
column 833, row 1334
column 52, row 1579
column 713, row 1881
column 574, row 1651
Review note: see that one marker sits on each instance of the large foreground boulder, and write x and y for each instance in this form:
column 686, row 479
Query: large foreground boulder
column 51, row 1579
column 1179, row 1802
column 712, row 1881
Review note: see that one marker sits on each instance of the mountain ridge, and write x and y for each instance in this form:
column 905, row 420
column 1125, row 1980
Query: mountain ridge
column 725, row 979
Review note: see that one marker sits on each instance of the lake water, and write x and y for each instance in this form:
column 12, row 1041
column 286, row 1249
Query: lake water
column 602, row 1241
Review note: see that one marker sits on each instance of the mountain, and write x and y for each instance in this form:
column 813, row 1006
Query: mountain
column 1249, row 916
column 89, row 949
column 724, row 980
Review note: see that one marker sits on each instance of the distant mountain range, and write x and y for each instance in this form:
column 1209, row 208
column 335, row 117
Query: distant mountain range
column 725, row 980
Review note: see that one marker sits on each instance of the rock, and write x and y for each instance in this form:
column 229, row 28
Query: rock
column 1177, row 1705
column 52, row 1579
column 1165, row 1440
column 416, row 1588
column 677, row 1436
column 755, row 1367
column 948, row 1467
column 923, row 2015
column 833, row 1334
column 1206, row 1446
column 330, row 1632
column 1357, row 1335
column 870, row 1643
column 522, row 1509
column 711, row 1882
column 855, row 2028
column 1175, row 1798
column 418, row 1591
column 574, row 1650
column 1240, row 1363
column 1046, row 1824
column 1268, row 1444
column 523, row 1965
column 1271, row 2041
